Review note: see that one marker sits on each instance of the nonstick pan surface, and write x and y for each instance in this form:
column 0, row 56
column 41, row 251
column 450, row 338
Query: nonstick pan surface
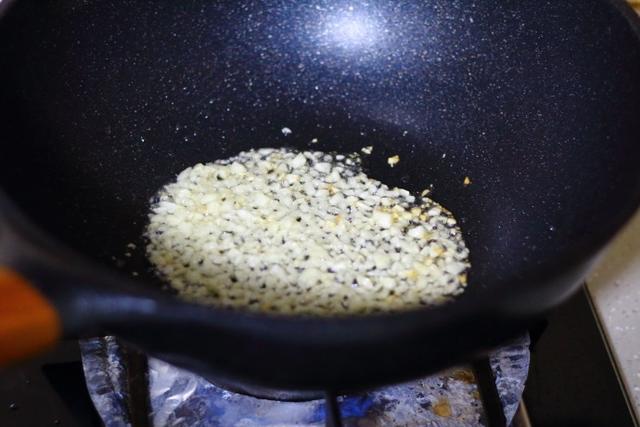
column 537, row 103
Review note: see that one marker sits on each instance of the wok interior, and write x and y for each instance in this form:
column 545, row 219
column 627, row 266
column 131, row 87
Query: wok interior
column 103, row 103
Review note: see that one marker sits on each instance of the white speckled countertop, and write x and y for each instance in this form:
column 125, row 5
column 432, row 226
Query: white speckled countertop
column 614, row 286
column 615, row 289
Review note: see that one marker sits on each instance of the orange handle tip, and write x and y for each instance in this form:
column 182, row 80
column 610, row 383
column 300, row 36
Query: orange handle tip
column 29, row 324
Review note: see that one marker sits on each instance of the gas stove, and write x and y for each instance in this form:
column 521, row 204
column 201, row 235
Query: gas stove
column 460, row 396
column 571, row 381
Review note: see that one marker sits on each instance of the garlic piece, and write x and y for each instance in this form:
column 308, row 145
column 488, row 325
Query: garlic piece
column 393, row 160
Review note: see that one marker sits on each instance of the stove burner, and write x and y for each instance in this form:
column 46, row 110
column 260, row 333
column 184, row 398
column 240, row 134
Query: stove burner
column 271, row 394
column 180, row 398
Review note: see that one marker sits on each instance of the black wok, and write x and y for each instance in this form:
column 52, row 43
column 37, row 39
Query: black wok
column 103, row 102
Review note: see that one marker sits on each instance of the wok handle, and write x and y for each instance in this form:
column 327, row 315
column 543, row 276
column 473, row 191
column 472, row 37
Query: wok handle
column 29, row 323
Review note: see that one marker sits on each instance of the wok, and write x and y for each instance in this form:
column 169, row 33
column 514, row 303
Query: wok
column 103, row 102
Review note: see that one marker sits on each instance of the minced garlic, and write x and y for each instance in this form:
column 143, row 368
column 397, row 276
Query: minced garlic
column 302, row 232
